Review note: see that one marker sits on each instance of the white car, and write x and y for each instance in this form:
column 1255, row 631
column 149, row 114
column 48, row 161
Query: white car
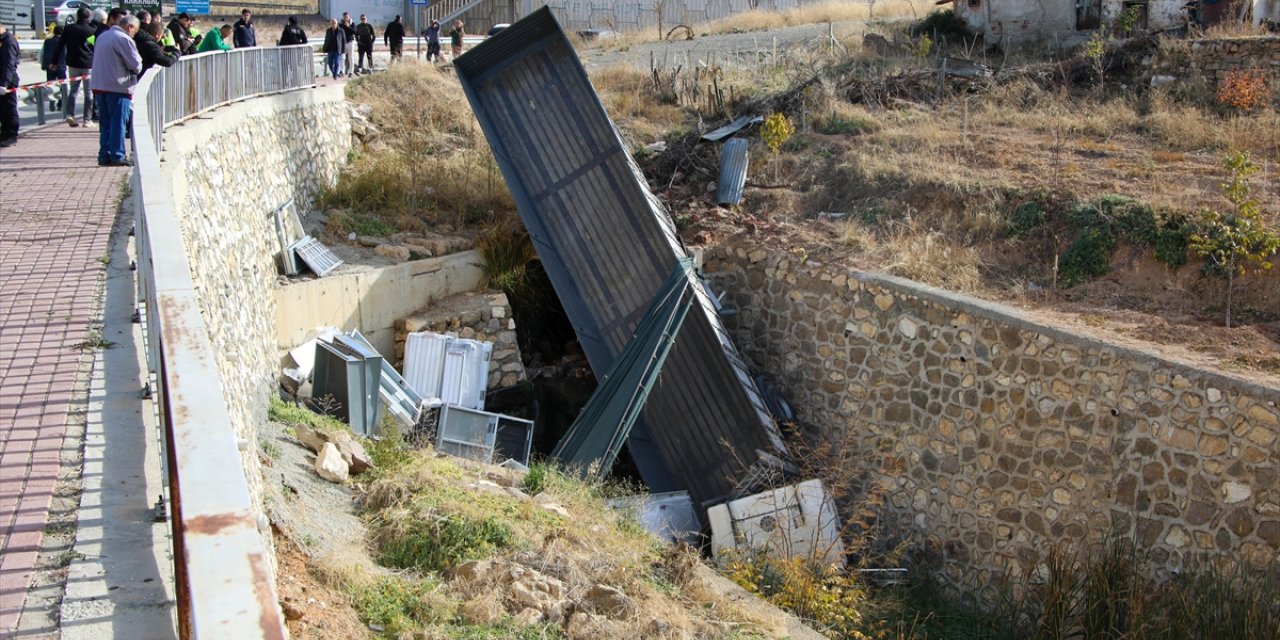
column 65, row 13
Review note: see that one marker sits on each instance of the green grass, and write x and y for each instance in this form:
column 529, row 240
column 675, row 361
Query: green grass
column 399, row 605
column 291, row 414
column 437, row 542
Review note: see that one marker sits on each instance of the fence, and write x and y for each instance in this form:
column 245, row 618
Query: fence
column 223, row 580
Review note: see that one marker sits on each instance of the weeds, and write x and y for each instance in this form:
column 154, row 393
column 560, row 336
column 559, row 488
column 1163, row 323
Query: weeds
column 94, row 340
column 439, row 541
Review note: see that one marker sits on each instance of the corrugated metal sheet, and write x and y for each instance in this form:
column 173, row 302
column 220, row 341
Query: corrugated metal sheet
column 607, row 245
column 738, row 124
column 424, row 362
column 733, row 171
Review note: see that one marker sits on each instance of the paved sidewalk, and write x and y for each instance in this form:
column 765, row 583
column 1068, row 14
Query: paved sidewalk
column 56, row 211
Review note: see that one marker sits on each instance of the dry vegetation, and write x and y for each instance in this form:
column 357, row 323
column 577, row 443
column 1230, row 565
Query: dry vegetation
column 910, row 178
column 451, row 548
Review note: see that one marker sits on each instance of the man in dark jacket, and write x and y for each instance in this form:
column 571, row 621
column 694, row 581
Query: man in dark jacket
column 365, row 36
column 180, row 27
column 76, row 46
column 292, row 34
column 54, row 68
column 153, row 54
column 244, row 35
column 335, row 42
column 393, row 36
column 8, row 80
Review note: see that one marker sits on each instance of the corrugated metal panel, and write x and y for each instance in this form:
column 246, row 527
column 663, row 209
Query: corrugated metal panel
column 733, row 171
column 424, row 362
column 738, row 124
column 607, row 245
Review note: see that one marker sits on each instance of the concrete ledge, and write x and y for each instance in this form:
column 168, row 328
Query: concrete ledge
column 372, row 300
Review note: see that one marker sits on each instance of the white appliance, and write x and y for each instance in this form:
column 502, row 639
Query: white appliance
column 797, row 520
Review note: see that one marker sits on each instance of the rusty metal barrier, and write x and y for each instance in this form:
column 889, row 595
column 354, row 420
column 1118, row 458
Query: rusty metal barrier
column 223, row 581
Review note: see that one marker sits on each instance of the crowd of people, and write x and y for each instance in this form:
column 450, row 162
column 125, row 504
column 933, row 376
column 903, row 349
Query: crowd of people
column 106, row 53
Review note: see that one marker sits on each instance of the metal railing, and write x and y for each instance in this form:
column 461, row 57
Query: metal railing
column 223, row 580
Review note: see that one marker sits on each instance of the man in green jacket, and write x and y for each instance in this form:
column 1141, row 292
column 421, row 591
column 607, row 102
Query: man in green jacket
column 216, row 40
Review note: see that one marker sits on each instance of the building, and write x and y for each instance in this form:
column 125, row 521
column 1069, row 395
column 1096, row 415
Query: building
column 1014, row 21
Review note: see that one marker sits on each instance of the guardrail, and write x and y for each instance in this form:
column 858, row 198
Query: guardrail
column 223, row 583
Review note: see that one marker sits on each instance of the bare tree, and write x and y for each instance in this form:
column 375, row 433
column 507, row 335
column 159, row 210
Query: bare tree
column 659, row 6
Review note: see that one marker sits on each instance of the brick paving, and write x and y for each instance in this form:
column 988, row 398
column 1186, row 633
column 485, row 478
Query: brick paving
column 56, row 211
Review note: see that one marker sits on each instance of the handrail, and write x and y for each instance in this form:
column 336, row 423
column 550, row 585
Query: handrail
column 223, row 581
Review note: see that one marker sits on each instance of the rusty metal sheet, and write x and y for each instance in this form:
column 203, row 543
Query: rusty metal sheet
column 733, row 172
column 607, row 245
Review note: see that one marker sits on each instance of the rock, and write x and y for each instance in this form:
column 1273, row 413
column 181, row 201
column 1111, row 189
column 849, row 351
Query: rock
column 290, row 610
column 395, row 252
column 313, row 439
column 516, row 493
column 1233, row 492
column 473, row 571
column 583, row 625
column 370, row 241
column 481, row 611
column 528, row 617
column 609, row 601
column 556, row 509
column 357, row 459
column 485, row 486
column 330, row 465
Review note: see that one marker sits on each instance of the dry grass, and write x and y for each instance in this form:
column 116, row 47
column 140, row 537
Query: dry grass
column 911, row 251
column 592, row 545
column 644, row 115
column 759, row 20
column 1234, row 29
column 436, row 166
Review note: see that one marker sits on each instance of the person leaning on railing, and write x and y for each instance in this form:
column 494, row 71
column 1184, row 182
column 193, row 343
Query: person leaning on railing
column 216, row 40
column 116, row 67
column 184, row 37
column 154, row 54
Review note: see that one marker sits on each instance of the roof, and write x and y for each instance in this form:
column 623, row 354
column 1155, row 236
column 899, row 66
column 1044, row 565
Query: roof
column 607, row 245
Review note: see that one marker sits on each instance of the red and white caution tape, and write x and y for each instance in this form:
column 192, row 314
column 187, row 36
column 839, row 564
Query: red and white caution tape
column 51, row 83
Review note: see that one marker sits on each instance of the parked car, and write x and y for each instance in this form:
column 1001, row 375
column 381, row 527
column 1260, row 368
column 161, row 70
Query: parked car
column 65, row 13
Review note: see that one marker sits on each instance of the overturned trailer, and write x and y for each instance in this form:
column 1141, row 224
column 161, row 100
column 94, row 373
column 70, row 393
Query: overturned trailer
column 607, row 245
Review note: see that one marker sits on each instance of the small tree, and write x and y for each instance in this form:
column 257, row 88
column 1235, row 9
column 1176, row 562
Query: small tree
column 777, row 130
column 1240, row 240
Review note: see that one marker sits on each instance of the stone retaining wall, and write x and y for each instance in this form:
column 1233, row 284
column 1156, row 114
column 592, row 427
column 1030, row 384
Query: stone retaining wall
column 483, row 316
column 997, row 437
column 1210, row 58
column 229, row 170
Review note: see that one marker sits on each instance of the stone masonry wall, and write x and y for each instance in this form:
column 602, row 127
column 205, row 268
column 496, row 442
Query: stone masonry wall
column 483, row 316
column 998, row 437
column 1210, row 58
column 228, row 173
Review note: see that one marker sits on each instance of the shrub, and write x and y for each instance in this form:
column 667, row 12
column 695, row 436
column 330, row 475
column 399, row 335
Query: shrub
column 1243, row 90
column 1026, row 217
column 942, row 25
column 398, row 605
column 821, row 594
column 1087, row 258
column 439, row 541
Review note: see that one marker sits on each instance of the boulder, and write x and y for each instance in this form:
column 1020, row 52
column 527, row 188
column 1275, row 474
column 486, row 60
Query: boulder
column 357, row 459
column 393, row 251
column 556, row 509
column 528, row 617
column 330, row 465
column 481, row 611
column 609, row 601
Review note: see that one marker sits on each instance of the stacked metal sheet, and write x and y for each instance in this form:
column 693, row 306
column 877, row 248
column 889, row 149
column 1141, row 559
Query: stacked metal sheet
column 607, row 245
